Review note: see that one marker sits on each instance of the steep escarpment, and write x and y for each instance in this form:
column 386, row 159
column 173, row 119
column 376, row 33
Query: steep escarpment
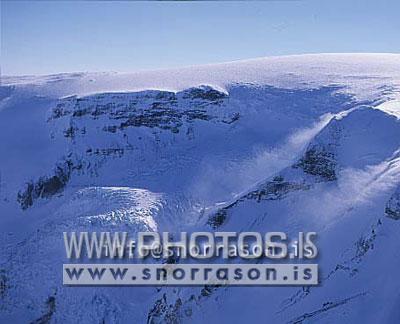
column 152, row 109
column 356, row 140
column 134, row 130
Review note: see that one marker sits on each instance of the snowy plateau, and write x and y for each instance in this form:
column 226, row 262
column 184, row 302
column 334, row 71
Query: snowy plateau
column 291, row 143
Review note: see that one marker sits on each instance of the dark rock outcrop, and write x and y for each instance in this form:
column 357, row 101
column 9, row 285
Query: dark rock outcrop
column 275, row 189
column 47, row 186
column 3, row 283
column 50, row 309
column 319, row 161
column 153, row 109
column 392, row 209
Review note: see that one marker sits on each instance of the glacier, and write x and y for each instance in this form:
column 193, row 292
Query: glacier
column 290, row 143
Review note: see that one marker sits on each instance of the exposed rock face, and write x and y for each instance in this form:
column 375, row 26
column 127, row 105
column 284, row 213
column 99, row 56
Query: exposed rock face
column 163, row 312
column 275, row 189
column 179, row 310
column 3, row 283
column 218, row 219
column 74, row 117
column 392, row 209
column 318, row 161
column 325, row 308
column 205, row 93
column 152, row 109
column 47, row 186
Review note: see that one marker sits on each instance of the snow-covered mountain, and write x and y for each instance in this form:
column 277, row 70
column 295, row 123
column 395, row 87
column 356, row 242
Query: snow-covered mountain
column 296, row 143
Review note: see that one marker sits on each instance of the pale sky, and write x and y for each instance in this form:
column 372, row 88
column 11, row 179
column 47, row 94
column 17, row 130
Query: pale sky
column 42, row 37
